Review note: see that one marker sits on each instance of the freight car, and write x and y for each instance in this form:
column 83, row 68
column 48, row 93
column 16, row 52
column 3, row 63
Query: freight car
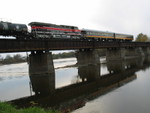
column 13, row 29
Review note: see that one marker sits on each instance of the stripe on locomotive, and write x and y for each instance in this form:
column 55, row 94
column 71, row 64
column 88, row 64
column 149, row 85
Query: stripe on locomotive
column 58, row 29
column 108, row 37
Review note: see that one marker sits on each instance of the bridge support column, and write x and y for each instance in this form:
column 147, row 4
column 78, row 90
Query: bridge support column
column 115, row 66
column 42, row 73
column 134, row 52
column 88, row 64
column 123, row 53
column 115, row 54
column 146, row 51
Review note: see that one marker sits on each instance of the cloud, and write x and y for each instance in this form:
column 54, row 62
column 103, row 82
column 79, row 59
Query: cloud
column 78, row 12
column 128, row 16
column 125, row 16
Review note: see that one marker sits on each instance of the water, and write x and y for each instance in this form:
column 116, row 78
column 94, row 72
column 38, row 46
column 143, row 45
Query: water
column 14, row 78
column 130, row 98
column 124, row 91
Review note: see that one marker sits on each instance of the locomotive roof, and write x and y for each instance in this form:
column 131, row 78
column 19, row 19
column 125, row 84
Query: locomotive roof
column 49, row 24
column 68, row 26
column 41, row 23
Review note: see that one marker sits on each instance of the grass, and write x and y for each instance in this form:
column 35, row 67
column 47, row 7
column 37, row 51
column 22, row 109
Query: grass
column 8, row 108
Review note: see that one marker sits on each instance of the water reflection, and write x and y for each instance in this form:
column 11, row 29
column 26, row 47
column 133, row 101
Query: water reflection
column 116, row 66
column 131, row 98
column 43, row 84
column 8, row 72
column 89, row 72
column 90, row 84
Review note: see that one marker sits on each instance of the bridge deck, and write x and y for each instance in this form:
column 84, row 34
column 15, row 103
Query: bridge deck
column 13, row 45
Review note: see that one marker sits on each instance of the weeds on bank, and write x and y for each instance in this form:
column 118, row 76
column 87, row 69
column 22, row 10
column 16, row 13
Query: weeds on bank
column 8, row 108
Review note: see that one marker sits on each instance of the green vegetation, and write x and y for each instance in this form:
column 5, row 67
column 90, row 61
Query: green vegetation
column 142, row 38
column 8, row 108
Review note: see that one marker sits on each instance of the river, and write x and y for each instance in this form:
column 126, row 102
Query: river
column 125, row 90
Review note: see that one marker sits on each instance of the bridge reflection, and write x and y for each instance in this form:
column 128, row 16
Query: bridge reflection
column 93, row 85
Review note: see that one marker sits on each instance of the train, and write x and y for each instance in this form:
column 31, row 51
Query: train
column 40, row 30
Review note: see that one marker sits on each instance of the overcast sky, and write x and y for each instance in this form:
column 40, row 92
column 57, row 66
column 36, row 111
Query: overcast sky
column 122, row 16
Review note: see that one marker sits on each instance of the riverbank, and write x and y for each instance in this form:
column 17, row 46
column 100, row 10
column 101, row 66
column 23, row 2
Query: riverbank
column 8, row 108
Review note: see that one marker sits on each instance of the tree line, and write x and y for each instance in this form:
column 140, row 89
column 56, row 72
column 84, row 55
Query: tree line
column 12, row 59
column 19, row 58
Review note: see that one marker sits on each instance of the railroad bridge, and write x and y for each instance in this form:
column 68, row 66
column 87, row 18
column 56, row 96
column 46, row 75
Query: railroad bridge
column 41, row 61
column 13, row 45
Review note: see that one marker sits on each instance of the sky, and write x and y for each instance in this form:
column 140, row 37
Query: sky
column 120, row 16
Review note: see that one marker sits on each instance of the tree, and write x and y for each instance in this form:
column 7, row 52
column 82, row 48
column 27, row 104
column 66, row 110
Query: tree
column 141, row 38
column 8, row 59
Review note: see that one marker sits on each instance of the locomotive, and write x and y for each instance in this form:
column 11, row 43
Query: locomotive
column 46, row 30
column 41, row 30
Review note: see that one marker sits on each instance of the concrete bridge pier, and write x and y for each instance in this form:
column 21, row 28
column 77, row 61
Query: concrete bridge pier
column 41, row 72
column 116, row 66
column 88, row 64
column 133, row 52
column 146, row 51
column 113, row 54
column 123, row 53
